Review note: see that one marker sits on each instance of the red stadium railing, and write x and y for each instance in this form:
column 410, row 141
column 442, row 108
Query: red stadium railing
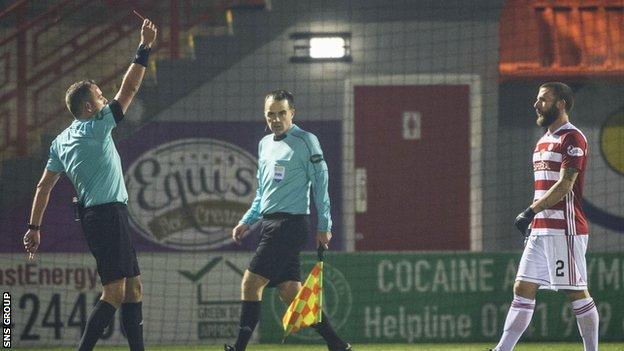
column 563, row 38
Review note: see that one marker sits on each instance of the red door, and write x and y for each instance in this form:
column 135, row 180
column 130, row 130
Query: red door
column 412, row 159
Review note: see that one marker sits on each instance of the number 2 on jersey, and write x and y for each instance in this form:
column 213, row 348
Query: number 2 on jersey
column 559, row 268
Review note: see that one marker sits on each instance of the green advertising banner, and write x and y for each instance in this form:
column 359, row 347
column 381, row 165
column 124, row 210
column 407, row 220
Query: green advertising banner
column 440, row 297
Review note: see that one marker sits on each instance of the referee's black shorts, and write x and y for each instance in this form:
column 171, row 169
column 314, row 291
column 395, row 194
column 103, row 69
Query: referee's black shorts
column 107, row 230
column 282, row 238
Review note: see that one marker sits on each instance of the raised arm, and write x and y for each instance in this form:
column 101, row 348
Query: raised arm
column 40, row 202
column 134, row 75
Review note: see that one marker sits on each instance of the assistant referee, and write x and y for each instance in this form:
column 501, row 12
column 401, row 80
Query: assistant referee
column 290, row 163
column 86, row 153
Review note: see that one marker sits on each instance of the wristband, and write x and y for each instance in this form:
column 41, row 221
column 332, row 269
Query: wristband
column 34, row 227
column 142, row 55
column 529, row 213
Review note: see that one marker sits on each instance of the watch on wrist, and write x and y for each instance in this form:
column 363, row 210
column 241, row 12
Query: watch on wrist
column 34, row 227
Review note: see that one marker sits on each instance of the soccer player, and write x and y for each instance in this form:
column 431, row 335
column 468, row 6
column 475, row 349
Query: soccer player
column 86, row 152
column 290, row 161
column 554, row 256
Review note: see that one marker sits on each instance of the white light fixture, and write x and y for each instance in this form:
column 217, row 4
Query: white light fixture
column 321, row 47
column 330, row 47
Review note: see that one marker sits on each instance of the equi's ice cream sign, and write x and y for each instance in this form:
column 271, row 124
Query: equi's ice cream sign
column 188, row 194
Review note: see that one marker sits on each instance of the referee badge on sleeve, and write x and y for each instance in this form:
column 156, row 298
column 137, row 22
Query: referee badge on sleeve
column 278, row 173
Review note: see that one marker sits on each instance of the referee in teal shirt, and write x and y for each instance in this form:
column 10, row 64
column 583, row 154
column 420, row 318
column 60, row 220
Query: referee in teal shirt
column 290, row 164
column 86, row 153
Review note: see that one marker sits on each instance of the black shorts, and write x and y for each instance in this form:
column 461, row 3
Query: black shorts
column 282, row 238
column 107, row 230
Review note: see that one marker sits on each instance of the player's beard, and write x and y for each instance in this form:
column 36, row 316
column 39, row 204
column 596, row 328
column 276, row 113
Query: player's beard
column 548, row 117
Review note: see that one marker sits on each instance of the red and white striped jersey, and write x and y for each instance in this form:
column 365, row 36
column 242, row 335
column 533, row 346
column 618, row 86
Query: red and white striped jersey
column 565, row 148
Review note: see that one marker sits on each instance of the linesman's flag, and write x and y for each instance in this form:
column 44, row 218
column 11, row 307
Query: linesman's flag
column 305, row 309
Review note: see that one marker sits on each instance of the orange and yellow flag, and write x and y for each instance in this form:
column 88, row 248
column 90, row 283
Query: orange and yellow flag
column 305, row 309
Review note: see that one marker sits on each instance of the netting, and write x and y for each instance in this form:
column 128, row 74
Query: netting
column 426, row 123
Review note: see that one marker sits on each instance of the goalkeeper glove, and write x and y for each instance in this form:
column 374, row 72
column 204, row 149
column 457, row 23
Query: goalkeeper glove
column 523, row 220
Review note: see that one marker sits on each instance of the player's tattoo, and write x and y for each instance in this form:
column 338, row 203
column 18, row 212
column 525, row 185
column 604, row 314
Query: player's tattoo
column 569, row 174
column 545, row 204
column 559, row 191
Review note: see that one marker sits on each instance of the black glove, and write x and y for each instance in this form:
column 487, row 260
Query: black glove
column 523, row 220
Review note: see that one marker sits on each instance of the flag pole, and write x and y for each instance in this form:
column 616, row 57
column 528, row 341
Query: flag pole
column 320, row 252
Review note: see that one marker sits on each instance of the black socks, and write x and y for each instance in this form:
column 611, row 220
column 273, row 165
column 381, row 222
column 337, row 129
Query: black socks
column 132, row 323
column 250, row 315
column 99, row 319
column 329, row 334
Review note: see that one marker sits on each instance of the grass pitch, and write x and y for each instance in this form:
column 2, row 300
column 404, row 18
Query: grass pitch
column 366, row 347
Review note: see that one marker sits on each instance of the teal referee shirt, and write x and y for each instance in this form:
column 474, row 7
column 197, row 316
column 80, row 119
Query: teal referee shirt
column 86, row 152
column 288, row 166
